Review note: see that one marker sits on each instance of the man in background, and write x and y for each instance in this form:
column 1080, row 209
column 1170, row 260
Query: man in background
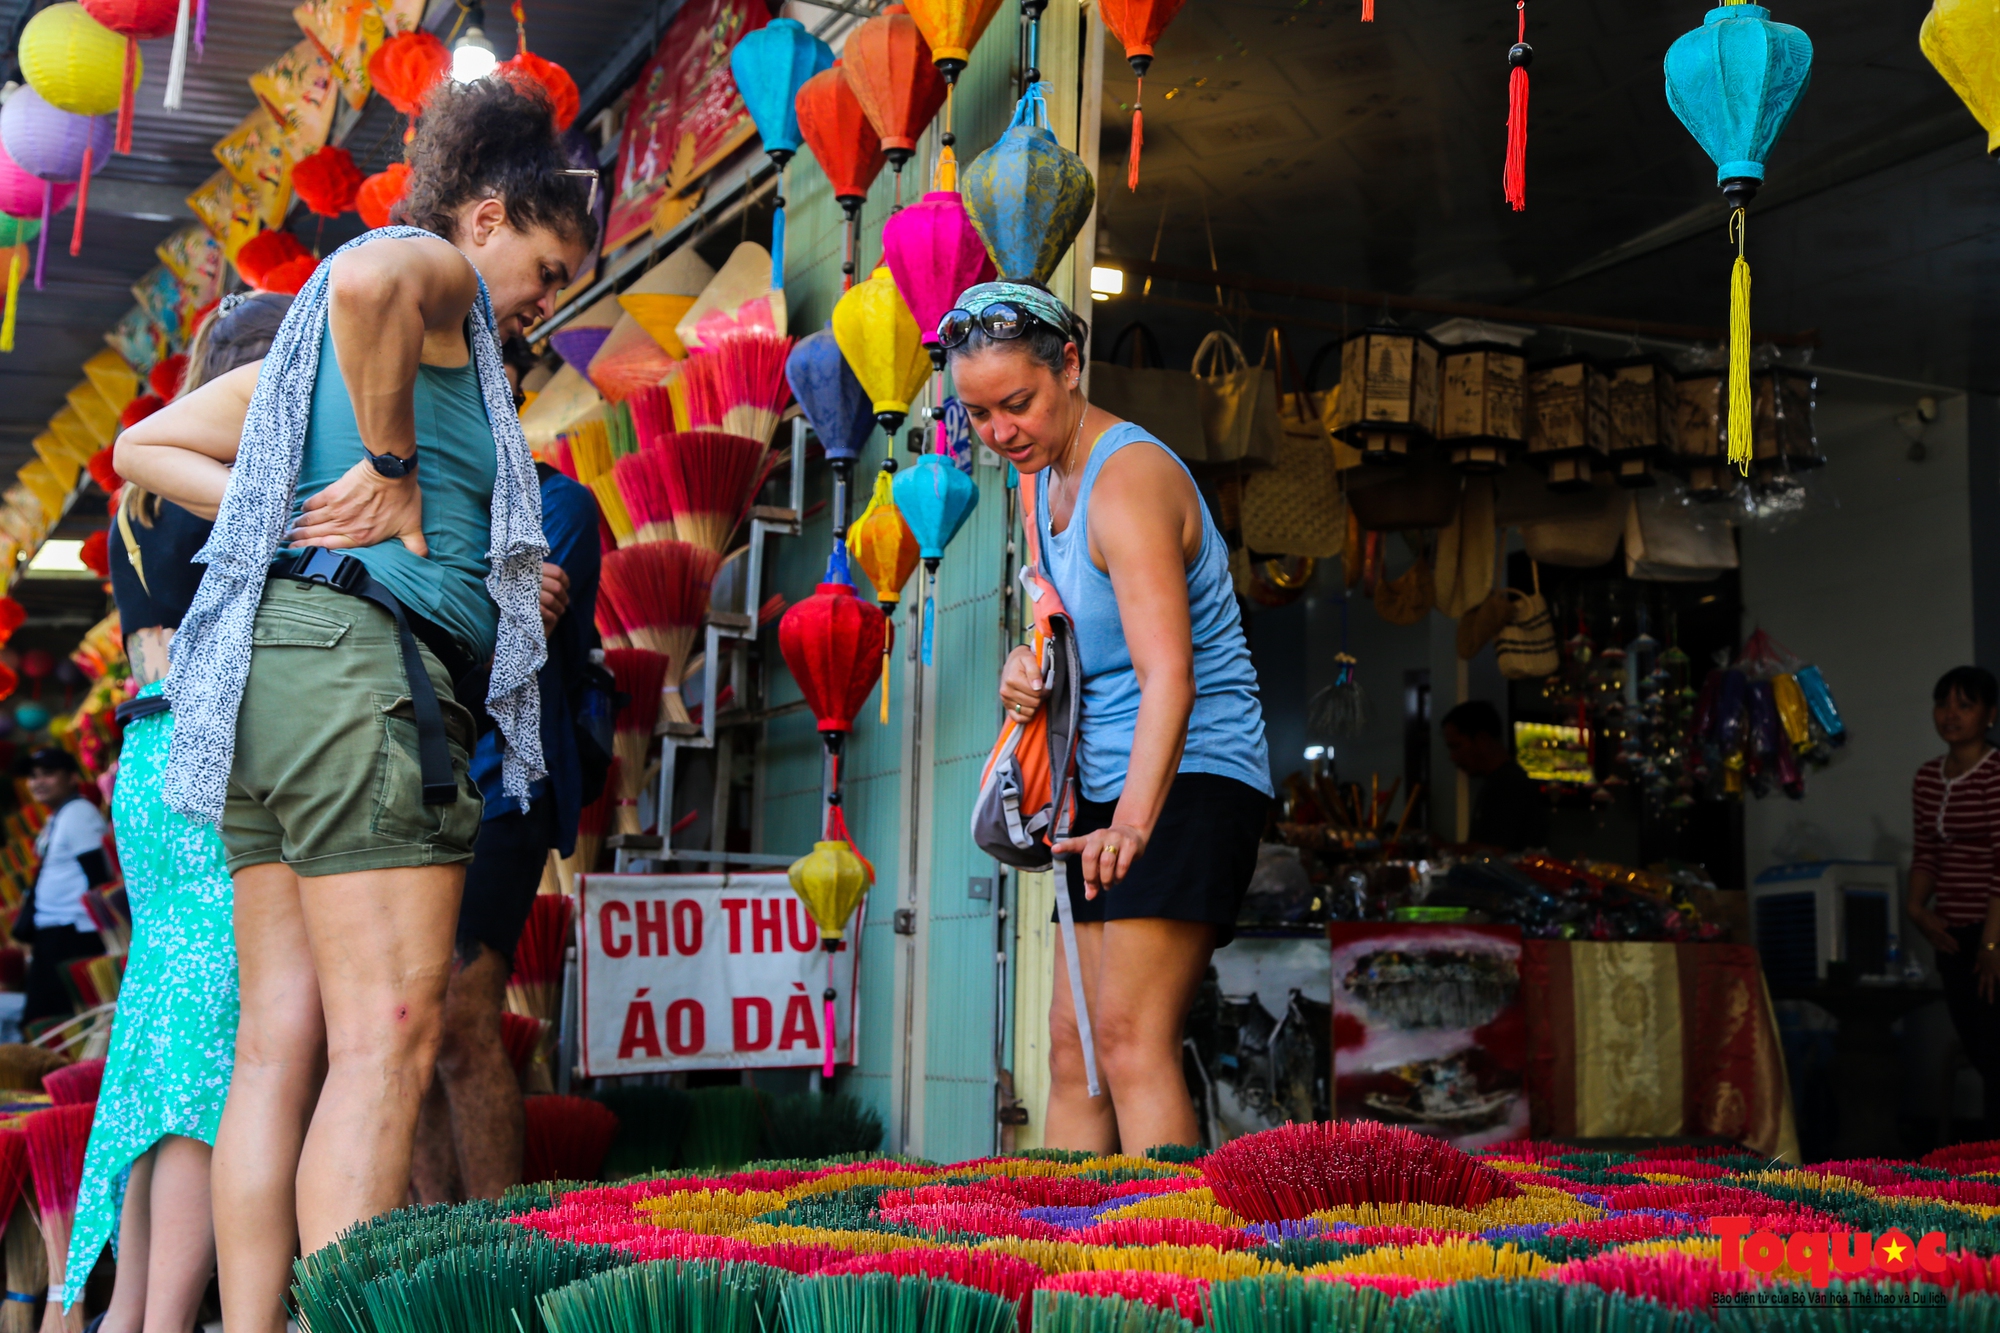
column 71, row 846
column 1509, row 811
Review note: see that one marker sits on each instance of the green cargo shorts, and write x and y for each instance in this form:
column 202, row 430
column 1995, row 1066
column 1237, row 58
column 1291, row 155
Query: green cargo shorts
column 326, row 777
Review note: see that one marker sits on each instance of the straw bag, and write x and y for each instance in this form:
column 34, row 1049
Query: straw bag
column 1667, row 542
column 1465, row 551
column 1583, row 540
column 1166, row 402
column 1345, row 455
column 1295, row 507
column 1239, row 403
column 1526, row 649
column 1409, row 597
column 1483, row 623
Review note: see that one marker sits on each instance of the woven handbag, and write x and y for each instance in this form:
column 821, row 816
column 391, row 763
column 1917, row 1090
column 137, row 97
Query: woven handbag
column 1137, row 388
column 1345, row 455
column 1295, row 507
column 1239, row 403
column 1526, row 649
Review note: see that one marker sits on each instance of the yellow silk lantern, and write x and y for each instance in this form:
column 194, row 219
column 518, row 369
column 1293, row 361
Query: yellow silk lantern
column 953, row 28
column 831, row 881
column 879, row 337
column 883, row 545
column 76, row 63
column 1962, row 38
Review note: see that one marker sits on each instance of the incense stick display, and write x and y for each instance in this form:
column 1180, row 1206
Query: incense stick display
column 640, row 674
column 57, row 1138
column 711, row 478
column 657, row 594
column 739, row 384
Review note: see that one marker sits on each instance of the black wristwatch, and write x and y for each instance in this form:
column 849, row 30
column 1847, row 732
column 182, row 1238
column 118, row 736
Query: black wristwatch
column 391, row 466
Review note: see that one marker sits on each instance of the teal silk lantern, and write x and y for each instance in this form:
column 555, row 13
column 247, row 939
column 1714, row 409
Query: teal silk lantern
column 1027, row 195
column 770, row 65
column 1735, row 82
column 936, row 499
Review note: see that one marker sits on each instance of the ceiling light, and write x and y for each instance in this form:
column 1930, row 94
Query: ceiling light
column 1106, row 283
column 472, row 55
column 60, row 557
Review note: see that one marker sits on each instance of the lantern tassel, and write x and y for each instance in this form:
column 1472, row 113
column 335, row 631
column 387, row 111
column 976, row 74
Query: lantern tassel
column 126, row 90
column 177, row 67
column 930, row 612
column 1739, row 349
column 778, row 236
column 42, row 242
column 888, row 643
column 82, row 203
column 1367, row 11
column 1138, row 136
column 1515, row 176
column 17, row 259
column 200, row 25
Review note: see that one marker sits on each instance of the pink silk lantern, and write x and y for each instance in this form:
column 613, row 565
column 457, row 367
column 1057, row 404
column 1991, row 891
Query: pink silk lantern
column 59, row 148
column 934, row 253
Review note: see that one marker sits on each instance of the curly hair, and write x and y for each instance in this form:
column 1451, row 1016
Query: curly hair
column 494, row 138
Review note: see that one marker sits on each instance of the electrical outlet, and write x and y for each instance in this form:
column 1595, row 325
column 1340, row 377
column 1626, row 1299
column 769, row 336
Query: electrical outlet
column 915, row 441
column 906, row 920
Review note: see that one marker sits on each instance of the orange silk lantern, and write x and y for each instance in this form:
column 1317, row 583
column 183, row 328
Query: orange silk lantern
column 136, row 21
column 380, row 193
column 844, row 144
column 953, row 28
column 327, row 181
column 265, row 252
column 406, row 68
column 889, row 68
column 1137, row 24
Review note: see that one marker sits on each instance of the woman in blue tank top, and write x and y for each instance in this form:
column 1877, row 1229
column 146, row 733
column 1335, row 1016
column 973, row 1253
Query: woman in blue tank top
column 1175, row 778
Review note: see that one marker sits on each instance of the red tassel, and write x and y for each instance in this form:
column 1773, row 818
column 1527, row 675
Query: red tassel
column 82, row 202
column 1367, row 11
column 1514, row 178
column 1138, row 137
column 125, row 91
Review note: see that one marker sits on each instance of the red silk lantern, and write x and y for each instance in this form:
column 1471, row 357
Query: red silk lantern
column 140, row 408
column 103, row 473
column 327, row 181
column 380, row 194
column 265, row 251
column 37, row 663
column 136, row 21
column 290, row 277
column 553, row 79
column 407, row 68
column 12, row 616
column 832, row 641
column 165, row 379
column 96, row 553
column 9, row 682
column 1137, row 24
column 889, row 68
column 842, row 140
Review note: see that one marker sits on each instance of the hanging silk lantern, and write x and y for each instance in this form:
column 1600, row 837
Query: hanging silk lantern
column 846, row 147
column 136, row 21
column 952, row 28
column 831, row 641
column 883, row 545
column 935, row 499
column 934, row 253
column 73, row 62
column 407, row 68
column 888, row 65
column 257, row 257
column 15, row 233
column 831, row 880
column 1137, row 24
column 59, row 148
column 770, row 66
column 1961, row 38
column 881, row 341
column 1734, row 82
column 837, row 407
column 327, row 181
column 528, row 68
column 380, row 193
column 1027, row 195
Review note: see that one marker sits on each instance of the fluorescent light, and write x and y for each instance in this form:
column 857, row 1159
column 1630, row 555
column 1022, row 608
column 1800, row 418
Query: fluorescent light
column 1106, row 283
column 60, row 557
column 472, row 57
column 1316, row 752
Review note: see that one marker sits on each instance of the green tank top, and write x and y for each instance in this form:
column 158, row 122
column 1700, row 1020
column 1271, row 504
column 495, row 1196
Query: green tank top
column 455, row 467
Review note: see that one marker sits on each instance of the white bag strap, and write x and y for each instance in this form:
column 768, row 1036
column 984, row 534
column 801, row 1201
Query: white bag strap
column 1218, row 345
column 1067, row 916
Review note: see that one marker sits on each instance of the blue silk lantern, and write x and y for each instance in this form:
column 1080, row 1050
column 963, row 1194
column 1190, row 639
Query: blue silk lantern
column 936, row 499
column 1027, row 195
column 770, row 65
column 1735, row 82
column 841, row 413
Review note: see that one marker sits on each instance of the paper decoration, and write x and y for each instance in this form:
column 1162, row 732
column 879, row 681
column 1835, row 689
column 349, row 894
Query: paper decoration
column 191, row 254
column 159, row 295
column 210, row 203
column 686, row 114
column 77, row 440
column 57, row 460
column 99, row 417
column 137, row 340
column 300, row 90
column 256, row 156
column 118, row 382
column 47, row 488
column 347, row 32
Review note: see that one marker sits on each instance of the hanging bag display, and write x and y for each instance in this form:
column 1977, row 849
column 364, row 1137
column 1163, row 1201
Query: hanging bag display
column 1239, row 403
column 1465, row 551
column 1422, row 493
column 1669, row 542
column 1295, row 506
column 1409, row 597
column 1139, row 389
column 1345, row 455
column 1526, row 649
column 1585, row 539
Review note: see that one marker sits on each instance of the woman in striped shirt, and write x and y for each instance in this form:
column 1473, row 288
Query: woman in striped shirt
column 1955, row 870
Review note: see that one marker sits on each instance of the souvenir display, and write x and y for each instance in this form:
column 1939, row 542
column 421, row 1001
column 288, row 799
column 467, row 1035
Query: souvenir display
column 1389, row 392
column 1642, row 400
column 1482, row 415
column 1569, row 425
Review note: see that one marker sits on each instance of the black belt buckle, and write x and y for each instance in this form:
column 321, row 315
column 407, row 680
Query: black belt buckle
column 336, row 569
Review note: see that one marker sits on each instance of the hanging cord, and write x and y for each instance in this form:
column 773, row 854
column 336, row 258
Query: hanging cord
column 1739, row 347
column 1514, row 178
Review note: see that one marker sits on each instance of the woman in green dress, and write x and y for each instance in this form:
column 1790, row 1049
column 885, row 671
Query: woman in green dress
column 145, row 1176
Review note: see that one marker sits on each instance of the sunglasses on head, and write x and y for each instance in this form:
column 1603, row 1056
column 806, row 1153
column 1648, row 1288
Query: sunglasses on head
column 1002, row 321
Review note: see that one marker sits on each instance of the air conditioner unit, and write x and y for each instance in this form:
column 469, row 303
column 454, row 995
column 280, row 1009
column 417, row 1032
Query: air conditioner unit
column 1811, row 913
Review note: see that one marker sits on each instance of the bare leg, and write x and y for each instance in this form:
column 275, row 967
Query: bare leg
column 381, row 944
column 434, row 1162
column 127, row 1311
column 488, row 1120
column 183, row 1251
column 280, row 1037
column 1076, row 1120
column 1147, row 975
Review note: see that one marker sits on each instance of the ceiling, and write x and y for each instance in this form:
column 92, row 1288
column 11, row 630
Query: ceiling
column 1303, row 145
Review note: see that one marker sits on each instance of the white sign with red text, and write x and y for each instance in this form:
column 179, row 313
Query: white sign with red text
column 706, row 972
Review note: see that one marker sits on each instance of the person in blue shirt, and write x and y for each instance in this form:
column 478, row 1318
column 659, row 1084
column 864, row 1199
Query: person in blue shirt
column 472, row 1128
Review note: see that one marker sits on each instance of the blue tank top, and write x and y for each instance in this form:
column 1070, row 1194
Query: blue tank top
column 1225, row 731
column 455, row 468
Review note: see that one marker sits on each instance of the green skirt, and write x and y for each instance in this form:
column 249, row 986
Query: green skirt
column 173, row 1041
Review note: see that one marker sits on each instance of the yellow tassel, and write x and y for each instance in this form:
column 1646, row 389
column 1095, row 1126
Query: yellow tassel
column 1739, row 351
column 885, row 681
column 17, row 260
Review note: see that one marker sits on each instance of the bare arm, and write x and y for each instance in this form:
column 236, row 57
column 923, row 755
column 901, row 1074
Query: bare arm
column 183, row 451
column 1139, row 521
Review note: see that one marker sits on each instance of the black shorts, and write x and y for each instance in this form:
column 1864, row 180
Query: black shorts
column 1196, row 866
column 503, row 879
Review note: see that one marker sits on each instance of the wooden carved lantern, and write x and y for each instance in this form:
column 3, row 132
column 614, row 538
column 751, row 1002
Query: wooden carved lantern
column 1484, row 413
column 1699, row 446
column 1569, row 428
column 1389, row 392
column 1643, row 401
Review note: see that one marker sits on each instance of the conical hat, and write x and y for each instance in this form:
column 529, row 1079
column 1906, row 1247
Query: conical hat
column 629, row 361
column 578, row 339
column 98, row 416
column 61, row 464
column 740, row 296
column 561, row 403
column 118, row 382
column 665, row 295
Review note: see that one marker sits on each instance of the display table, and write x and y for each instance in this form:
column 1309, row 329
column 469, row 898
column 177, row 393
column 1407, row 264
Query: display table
column 1664, row 1040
